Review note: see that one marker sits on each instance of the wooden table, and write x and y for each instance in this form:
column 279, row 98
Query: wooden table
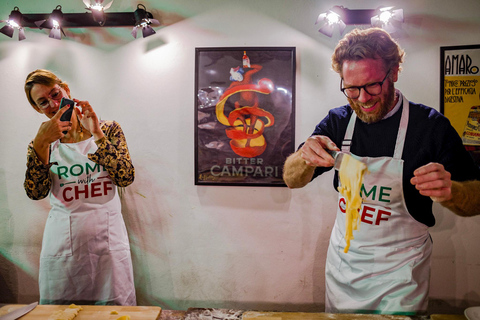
column 42, row 312
column 317, row 316
column 448, row 317
column 229, row 314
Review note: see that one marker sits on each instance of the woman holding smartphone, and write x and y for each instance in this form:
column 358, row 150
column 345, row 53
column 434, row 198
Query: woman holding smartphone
column 85, row 257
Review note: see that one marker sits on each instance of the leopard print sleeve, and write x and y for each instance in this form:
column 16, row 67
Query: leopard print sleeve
column 37, row 177
column 113, row 154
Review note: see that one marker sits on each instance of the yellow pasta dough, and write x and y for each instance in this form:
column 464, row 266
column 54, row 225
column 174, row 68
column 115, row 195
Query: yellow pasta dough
column 351, row 178
column 67, row 314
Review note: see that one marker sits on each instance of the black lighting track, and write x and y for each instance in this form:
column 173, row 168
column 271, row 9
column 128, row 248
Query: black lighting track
column 352, row 17
column 82, row 20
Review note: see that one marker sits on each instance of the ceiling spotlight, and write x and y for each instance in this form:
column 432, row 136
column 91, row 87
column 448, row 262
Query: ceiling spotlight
column 388, row 19
column 144, row 20
column 330, row 20
column 14, row 22
column 54, row 23
column 98, row 10
column 384, row 17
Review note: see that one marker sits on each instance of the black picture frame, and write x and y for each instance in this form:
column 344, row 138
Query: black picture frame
column 244, row 114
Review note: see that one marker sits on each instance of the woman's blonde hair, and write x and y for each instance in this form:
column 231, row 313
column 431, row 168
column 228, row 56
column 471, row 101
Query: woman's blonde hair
column 372, row 43
column 44, row 77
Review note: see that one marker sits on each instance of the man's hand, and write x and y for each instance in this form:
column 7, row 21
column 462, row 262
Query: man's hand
column 432, row 180
column 300, row 166
column 314, row 153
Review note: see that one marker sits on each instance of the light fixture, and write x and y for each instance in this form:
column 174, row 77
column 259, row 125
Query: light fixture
column 98, row 10
column 14, row 22
column 57, row 21
column 330, row 20
column 388, row 19
column 384, row 17
column 144, row 19
column 54, row 23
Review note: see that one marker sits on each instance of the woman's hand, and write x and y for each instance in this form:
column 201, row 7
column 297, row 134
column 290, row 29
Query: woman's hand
column 88, row 118
column 49, row 132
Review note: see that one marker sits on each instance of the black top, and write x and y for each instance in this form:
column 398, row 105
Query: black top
column 429, row 138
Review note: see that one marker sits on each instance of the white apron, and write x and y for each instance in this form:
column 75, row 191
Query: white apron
column 85, row 254
column 387, row 269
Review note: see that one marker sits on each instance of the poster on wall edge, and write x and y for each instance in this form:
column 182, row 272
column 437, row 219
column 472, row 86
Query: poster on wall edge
column 460, row 93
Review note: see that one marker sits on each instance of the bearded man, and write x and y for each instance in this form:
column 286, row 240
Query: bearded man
column 414, row 157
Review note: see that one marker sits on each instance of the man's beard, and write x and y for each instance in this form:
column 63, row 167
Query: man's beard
column 379, row 113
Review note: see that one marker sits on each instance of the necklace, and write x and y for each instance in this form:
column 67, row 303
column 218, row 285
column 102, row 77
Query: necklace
column 76, row 136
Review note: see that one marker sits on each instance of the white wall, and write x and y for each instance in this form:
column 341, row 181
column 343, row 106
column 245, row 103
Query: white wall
column 253, row 248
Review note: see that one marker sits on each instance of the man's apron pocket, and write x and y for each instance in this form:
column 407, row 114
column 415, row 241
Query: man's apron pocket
column 395, row 263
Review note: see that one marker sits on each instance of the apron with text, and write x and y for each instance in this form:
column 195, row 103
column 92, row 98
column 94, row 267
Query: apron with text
column 387, row 268
column 85, row 254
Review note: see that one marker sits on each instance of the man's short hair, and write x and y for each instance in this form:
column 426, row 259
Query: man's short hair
column 372, row 43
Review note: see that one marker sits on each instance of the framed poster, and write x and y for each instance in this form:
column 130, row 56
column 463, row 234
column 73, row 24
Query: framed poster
column 244, row 114
column 460, row 93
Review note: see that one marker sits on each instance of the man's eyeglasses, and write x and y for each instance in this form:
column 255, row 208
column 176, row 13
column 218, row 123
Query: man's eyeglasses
column 372, row 89
column 55, row 94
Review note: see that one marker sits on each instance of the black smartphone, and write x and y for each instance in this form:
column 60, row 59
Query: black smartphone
column 67, row 116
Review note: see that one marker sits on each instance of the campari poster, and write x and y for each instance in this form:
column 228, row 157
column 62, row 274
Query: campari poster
column 244, row 115
column 460, row 93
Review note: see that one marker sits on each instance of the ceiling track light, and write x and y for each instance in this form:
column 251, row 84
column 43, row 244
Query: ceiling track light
column 14, row 22
column 144, row 20
column 329, row 20
column 339, row 17
column 98, row 10
column 57, row 21
column 54, row 23
column 388, row 18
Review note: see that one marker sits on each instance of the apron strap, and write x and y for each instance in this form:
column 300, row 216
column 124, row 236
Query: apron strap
column 402, row 131
column 347, row 140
